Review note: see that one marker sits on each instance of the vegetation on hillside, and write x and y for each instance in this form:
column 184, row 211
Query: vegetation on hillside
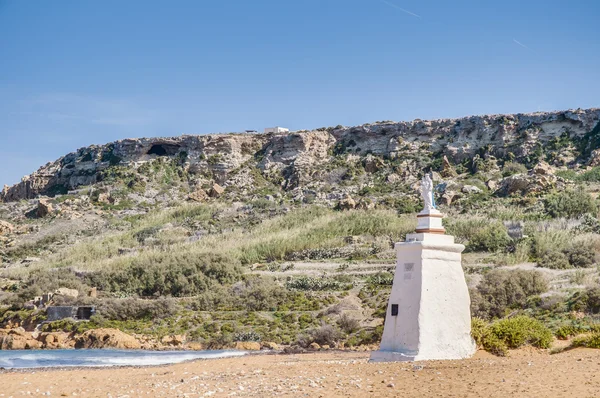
column 272, row 263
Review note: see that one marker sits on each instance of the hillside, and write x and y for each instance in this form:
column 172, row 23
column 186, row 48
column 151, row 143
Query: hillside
column 288, row 238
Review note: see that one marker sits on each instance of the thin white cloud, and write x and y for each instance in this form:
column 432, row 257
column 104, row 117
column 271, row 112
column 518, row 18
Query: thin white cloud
column 87, row 109
column 400, row 8
column 521, row 44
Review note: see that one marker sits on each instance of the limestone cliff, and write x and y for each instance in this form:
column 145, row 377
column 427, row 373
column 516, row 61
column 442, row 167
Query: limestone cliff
column 294, row 159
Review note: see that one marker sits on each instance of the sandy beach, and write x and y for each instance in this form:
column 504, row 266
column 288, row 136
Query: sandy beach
column 526, row 373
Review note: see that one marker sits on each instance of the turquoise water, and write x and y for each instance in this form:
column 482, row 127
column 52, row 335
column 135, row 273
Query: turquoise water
column 19, row 359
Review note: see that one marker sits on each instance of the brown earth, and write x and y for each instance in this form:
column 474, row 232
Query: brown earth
column 526, row 373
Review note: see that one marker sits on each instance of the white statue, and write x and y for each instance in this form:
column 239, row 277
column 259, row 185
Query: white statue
column 427, row 193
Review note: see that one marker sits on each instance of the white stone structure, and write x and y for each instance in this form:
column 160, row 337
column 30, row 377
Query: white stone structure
column 276, row 129
column 428, row 315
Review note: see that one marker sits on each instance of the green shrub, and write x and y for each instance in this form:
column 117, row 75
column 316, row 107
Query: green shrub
column 497, row 337
column 522, row 330
column 325, row 334
column 580, row 255
column 512, row 168
column 310, row 283
column 493, row 237
column 592, row 175
column 554, row 260
column 503, row 290
column 247, row 336
column 587, row 300
column 381, row 278
column 573, row 329
column 130, row 308
column 570, row 203
column 588, row 341
column 172, row 273
column 347, row 323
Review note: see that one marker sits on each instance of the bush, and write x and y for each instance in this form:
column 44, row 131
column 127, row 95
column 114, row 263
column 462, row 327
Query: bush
column 592, row 175
column 570, row 203
column 381, row 278
column 176, row 274
column 587, row 300
column 310, row 283
column 522, row 330
column 483, row 337
column 554, row 260
column 130, row 308
column 348, row 324
column 589, row 341
column 325, row 334
column 493, row 237
column 512, row 168
column 260, row 294
column 503, row 334
column 502, row 290
column 580, row 255
column 247, row 336
column 48, row 280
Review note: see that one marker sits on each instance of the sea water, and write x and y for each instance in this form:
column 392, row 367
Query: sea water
column 19, row 359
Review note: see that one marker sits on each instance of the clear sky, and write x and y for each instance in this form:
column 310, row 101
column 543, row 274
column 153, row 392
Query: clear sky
column 75, row 73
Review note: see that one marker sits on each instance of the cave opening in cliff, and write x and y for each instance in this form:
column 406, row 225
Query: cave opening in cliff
column 163, row 149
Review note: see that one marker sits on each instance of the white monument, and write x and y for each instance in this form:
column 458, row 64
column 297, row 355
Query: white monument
column 428, row 315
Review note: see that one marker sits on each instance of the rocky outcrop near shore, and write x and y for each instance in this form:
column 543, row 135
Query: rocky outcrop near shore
column 293, row 159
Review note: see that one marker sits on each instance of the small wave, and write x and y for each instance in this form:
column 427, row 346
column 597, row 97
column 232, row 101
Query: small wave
column 103, row 358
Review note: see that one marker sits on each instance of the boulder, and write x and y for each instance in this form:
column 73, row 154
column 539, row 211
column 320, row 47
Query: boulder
column 594, row 158
column 198, row 196
column 517, row 183
column 365, row 204
column 216, row 190
column 173, row 340
column 372, row 163
column 447, row 169
column 63, row 291
column 104, row 197
column 44, row 208
column 393, row 178
column 195, row 346
column 107, row 338
column 492, row 185
column 55, row 340
column 543, row 168
column 447, row 198
column 314, row 346
column 470, row 189
column 271, row 346
column 347, row 203
column 6, row 227
column 18, row 339
column 247, row 346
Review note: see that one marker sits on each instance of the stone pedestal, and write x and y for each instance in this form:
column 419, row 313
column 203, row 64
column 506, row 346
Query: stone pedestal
column 428, row 315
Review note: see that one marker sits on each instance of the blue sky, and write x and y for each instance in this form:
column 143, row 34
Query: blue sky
column 75, row 73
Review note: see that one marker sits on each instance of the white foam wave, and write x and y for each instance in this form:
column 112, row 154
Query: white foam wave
column 103, row 358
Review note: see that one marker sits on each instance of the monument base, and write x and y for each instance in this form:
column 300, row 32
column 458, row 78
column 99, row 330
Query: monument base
column 428, row 315
column 389, row 356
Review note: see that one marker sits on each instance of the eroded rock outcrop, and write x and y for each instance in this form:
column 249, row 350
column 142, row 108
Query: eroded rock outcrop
column 106, row 338
column 6, row 227
column 293, row 159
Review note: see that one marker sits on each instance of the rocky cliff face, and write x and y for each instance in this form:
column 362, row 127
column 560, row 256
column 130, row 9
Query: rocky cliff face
column 295, row 159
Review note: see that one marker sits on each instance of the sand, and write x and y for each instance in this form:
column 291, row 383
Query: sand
column 526, row 373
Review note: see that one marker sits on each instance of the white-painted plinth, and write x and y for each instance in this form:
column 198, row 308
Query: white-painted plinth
column 434, row 317
column 430, row 221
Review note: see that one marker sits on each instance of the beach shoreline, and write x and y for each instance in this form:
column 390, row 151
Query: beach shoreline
column 525, row 373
